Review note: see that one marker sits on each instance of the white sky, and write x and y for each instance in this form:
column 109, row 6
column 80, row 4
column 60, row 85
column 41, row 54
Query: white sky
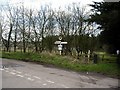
column 54, row 3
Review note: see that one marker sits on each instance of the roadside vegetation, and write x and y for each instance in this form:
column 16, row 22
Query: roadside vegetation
column 106, row 65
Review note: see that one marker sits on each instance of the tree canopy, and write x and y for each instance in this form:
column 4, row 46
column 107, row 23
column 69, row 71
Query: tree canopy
column 107, row 15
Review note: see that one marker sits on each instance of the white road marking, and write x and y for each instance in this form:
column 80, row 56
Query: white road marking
column 50, row 81
column 30, row 79
column 6, row 71
column 36, row 77
column 84, row 77
column 18, row 72
column 12, row 73
column 28, row 75
column 20, row 75
column 93, row 78
column 1, row 69
column 44, row 84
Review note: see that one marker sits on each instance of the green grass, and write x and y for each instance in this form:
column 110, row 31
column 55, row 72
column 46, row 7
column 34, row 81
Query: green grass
column 110, row 69
column 108, row 58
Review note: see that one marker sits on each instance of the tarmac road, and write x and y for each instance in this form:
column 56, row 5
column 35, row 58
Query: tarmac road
column 19, row 74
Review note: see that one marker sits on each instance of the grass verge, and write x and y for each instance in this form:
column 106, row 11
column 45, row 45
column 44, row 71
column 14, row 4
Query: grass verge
column 110, row 69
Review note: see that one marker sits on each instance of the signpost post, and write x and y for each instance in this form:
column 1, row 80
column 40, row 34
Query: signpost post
column 60, row 48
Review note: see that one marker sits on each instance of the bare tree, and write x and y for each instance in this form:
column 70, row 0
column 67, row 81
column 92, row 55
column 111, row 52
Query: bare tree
column 22, row 26
column 43, row 17
column 2, row 26
column 29, row 20
column 16, row 11
column 50, row 30
column 10, row 17
column 36, row 41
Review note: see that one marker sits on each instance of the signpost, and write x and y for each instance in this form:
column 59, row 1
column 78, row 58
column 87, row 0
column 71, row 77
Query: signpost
column 60, row 44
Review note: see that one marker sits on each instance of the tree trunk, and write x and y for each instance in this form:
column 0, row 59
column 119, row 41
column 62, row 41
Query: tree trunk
column 9, row 36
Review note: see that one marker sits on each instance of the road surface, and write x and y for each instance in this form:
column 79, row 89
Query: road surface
column 19, row 74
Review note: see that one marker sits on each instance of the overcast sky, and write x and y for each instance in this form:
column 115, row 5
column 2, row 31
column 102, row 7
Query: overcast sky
column 54, row 3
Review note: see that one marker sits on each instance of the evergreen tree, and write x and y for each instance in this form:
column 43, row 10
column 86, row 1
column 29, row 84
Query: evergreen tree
column 107, row 15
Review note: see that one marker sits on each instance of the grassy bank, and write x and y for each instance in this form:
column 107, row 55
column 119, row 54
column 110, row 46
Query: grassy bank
column 110, row 69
